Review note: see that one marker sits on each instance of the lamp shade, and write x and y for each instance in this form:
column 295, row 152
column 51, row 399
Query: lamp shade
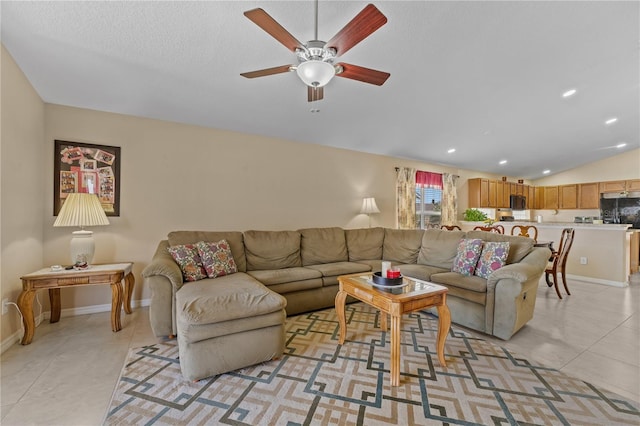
column 315, row 73
column 369, row 206
column 81, row 209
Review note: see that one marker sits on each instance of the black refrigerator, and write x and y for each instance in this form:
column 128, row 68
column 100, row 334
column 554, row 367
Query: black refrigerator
column 621, row 208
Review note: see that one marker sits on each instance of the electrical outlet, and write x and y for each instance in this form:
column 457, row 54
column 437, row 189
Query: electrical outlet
column 583, row 260
column 5, row 306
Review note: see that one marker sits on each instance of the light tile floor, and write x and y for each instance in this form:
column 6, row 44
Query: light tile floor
column 66, row 376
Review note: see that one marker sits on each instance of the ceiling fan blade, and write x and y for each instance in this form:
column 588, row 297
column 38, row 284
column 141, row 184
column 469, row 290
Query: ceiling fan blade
column 359, row 28
column 315, row 93
column 277, row 31
column 267, row 71
column 363, row 74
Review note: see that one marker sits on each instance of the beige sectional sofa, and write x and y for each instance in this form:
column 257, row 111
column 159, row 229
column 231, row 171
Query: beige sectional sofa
column 303, row 266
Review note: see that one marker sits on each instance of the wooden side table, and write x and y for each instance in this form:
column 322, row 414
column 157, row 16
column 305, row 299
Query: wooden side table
column 113, row 274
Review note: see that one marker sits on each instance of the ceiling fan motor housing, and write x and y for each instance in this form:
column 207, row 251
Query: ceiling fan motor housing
column 316, row 67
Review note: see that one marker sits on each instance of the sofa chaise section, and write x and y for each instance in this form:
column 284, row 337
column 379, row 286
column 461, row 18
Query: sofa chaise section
column 228, row 323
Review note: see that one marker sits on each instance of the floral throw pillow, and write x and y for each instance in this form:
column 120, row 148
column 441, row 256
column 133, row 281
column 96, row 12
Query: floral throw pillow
column 467, row 257
column 217, row 258
column 187, row 257
column 493, row 256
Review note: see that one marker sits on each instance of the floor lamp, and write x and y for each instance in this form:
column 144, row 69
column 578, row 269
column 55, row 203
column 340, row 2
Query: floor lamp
column 81, row 209
column 369, row 207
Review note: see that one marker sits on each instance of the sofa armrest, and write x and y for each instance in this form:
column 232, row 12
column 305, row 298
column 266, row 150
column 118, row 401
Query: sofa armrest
column 530, row 267
column 162, row 264
column 511, row 293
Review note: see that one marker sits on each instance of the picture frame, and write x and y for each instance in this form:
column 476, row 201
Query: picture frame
column 84, row 167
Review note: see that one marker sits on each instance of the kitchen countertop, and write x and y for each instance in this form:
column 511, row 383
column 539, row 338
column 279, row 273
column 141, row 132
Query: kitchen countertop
column 601, row 227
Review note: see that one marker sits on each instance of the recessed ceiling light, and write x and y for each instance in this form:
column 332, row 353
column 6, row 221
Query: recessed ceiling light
column 569, row 93
column 451, row 151
column 621, row 145
column 546, row 172
column 611, row 121
column 503, row 162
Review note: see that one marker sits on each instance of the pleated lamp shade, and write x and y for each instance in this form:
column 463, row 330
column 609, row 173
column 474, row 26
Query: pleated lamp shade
column 81, row 209
column 369, row 207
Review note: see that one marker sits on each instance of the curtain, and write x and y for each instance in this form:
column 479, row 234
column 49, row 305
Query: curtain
column 449, row 212
column 406, row 198
column 429, row 179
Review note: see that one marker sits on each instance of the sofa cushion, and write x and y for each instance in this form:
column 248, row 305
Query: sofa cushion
column 234, row 239
column 402, row 245
column 364, row 244
column 188, row 258
column 493, row 257
column 278, row 276
column 297, row 286
column 272, row 249
column 519, row 247
column 193, row 333
column 468, row 253
column 340, row 268
column 323, row 245
column 216, row 258
column 225, row 298
column 421, row 272
column 473, row 288
column 439, row 248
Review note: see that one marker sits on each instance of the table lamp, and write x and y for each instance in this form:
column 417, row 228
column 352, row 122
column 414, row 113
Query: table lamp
column 82, row 209
column 369, row 207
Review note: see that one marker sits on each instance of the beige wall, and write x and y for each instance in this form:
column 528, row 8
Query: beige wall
column 21, row 184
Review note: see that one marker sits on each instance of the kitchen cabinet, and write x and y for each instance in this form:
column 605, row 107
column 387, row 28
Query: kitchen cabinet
column 588, row 196
column 504, row 194
column 612, row 186
column 633, row 185
column 539, row 197
column 620, row 185
column 635, row 253
column 568, row 198
column 493, row 193
column 519, row 189
column 551, row 200
column 478, row 192
column 531, row 197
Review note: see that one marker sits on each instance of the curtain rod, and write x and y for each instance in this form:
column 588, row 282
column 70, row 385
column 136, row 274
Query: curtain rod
column 398, row 169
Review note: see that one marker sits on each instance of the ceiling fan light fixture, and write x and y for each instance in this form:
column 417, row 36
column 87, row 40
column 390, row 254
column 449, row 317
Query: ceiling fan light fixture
column 316, row 73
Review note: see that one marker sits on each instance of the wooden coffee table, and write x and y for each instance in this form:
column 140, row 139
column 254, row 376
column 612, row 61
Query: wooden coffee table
column 414, row 296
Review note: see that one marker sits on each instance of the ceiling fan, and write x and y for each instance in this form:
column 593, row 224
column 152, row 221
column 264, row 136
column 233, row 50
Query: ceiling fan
column 316, row 65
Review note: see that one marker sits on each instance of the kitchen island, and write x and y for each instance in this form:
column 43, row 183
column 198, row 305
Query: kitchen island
column 605, row 249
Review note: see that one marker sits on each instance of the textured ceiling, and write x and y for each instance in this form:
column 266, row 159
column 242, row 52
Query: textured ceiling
column 485, row 78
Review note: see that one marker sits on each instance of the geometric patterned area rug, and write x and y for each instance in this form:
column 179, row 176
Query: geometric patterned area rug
column 319, row 382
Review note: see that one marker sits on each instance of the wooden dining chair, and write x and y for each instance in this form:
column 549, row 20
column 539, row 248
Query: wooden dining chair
column 497, row 229
column 529, row 231
column 451, row 227
column 558, row 261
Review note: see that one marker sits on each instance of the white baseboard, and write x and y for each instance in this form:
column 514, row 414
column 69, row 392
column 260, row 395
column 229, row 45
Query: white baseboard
column 69, row 312
column 599, row 281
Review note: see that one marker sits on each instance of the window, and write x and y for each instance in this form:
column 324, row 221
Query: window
column 428, row 199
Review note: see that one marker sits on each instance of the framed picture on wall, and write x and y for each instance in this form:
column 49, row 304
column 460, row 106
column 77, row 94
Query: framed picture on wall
column 83, row 167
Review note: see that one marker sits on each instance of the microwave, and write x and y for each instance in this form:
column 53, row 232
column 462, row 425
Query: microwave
column 518, row 202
